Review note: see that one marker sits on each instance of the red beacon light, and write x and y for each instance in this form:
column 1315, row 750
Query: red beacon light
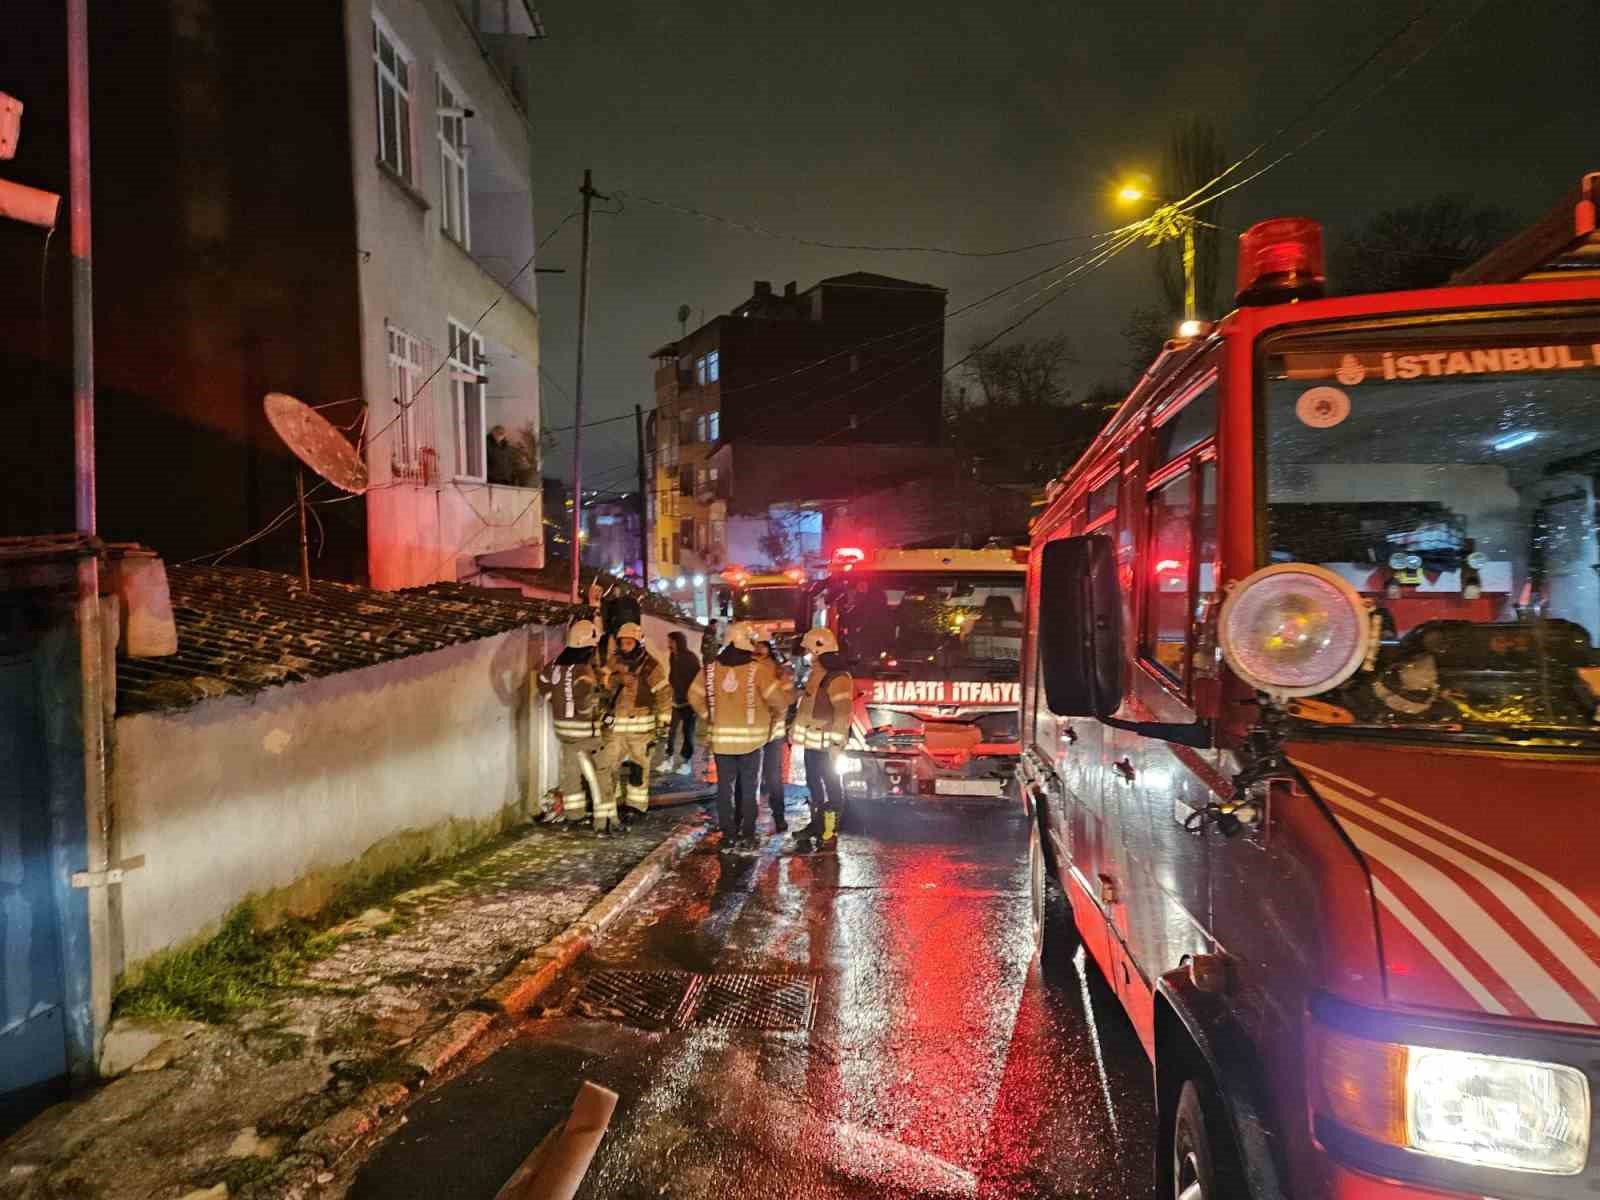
column 1281, row 260
column 796, row 574
column 849, row 554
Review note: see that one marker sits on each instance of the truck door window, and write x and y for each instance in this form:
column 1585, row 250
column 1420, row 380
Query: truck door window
column 1168, row 582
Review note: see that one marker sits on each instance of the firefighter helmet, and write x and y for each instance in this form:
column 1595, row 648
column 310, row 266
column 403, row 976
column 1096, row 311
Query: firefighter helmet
column 582, row 634
column 630, row 629
column 741, row 636
column 820, row 641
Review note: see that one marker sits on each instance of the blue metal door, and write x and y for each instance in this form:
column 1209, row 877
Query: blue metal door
column 33, row 1051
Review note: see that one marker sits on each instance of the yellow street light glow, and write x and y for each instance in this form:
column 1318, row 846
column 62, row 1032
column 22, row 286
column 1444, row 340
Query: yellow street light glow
column 1130, row 193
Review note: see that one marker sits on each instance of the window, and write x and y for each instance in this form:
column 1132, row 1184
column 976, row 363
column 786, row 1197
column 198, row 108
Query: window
column 686, row 534
column 700, row 369
column 713, row 425
column 686, row 429
column 392, row 75
column 713, row 366
column 467, row 384
column 1102, row 500
column 1168, row 576
column 453, row 165
column 700, row 428
column 1188, row 426
column 406, row 373
column 686, row 481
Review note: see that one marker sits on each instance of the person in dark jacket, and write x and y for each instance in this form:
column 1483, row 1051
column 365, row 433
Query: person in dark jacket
column 683, row 667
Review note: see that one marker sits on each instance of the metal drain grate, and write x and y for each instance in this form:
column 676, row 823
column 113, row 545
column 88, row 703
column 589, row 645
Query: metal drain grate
column 756, row 1002
column 653, row 999
column 674, row 999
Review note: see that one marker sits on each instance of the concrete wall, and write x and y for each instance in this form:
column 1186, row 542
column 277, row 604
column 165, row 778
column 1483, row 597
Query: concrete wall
column 284, row 796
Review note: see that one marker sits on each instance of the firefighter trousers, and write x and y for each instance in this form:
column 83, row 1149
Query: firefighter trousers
column 633, row 767
column 741, row 771
column 827, row 791
column 773, row 756
column 581, row 766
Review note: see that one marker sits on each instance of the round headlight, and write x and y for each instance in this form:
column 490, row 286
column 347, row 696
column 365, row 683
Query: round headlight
column 1294, row 629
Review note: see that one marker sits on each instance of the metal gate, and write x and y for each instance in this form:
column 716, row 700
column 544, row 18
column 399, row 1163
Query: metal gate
column 33, row 1050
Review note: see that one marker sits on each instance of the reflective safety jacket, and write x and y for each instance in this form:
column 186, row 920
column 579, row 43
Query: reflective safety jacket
column 572, row 686
column 780, row 721
column 823, row 719
column 740, row 696
column 642, row 693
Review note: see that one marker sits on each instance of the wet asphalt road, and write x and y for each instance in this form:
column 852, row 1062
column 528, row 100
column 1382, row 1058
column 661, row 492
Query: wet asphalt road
column 942, row 1060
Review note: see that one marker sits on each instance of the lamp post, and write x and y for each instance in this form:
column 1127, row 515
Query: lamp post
column 1167, row 222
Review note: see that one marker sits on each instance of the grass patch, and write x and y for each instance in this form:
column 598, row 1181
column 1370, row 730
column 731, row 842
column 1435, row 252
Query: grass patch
column 242, row 966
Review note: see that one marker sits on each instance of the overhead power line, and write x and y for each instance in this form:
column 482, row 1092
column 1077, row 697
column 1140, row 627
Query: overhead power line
column 760, row 230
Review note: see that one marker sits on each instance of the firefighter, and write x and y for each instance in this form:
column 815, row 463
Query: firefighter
column 740, row 696
column 773, row 754
column 641, row 707
column 821, row 725
column 571, row 685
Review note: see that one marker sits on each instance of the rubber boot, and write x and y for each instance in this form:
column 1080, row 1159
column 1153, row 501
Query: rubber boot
column 828, row 843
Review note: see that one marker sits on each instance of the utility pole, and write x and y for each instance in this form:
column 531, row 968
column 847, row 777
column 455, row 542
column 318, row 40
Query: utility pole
column 644, row 500
column 588, row 193
column 96, row 810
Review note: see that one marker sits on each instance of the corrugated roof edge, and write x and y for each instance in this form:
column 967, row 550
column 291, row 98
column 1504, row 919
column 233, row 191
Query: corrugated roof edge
column 241, row 631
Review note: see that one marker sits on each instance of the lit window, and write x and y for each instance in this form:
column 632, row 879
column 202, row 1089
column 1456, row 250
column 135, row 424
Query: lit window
column 391, row 69
column 713, row 422
column 713, row 366
column 453, row 164
column 702, row 428
column 700, row 369
column 467, row 385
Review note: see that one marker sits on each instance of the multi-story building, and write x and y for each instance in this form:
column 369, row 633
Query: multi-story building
column 348, row 219
column 787, row 404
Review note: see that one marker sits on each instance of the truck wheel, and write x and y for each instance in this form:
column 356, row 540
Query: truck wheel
column 1203, row 1163
column 1036, row 886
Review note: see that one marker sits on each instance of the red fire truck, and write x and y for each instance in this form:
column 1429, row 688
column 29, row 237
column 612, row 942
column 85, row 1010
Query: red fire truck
column 769, row 600
column 935, row 642
column 1311, row 726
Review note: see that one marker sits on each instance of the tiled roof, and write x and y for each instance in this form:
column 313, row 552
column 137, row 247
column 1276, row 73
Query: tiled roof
column 241, row 631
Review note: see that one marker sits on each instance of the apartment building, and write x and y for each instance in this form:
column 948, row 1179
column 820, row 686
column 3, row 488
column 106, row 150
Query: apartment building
column 785, row 406
column 332, row 219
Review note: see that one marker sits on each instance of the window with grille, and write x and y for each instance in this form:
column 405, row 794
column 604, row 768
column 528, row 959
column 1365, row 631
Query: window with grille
column 453, row 209
column 467, row 385
column 407, row 370
column 391, row 68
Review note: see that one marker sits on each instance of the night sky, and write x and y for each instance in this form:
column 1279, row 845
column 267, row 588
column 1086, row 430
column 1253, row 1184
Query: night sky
column 981, row 127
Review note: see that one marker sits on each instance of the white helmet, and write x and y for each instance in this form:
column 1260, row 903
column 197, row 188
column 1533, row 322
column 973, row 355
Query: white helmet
column 582, row 634
column 741, row 636
column 819, row 641
column 630, row 629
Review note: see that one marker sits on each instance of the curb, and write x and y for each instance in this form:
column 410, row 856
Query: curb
column 530, row 978
column 515, row 993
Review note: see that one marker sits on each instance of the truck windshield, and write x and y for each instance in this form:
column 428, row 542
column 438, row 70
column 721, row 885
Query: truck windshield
column 905, row 620
column 1452, row 479
column 767, row 603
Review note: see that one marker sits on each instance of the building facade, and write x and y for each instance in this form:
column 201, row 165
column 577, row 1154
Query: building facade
column 332, row 220
column 854, row 361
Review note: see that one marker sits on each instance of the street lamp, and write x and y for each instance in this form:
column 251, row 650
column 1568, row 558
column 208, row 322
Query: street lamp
column 1168, row 221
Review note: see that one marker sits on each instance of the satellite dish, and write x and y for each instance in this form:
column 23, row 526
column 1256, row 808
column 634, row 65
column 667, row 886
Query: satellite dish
column 316, row 442
column 683, row 312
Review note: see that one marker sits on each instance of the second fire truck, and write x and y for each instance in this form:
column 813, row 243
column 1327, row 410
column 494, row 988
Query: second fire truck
column 935, row 642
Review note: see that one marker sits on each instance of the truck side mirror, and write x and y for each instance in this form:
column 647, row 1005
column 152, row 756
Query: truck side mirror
column 1080, row 627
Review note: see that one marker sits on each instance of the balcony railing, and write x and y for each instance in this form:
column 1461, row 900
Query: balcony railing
column 503, row 29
